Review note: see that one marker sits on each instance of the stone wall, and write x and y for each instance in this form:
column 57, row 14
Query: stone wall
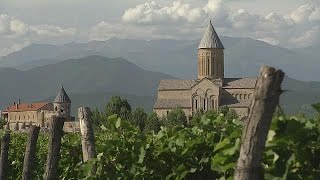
column 179, row 94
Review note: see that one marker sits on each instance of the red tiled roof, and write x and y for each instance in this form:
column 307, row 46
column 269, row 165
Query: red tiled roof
column 25, row 107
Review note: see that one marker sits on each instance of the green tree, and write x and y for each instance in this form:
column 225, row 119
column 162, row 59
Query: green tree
column 176, row 117
column 279, row 112
column 152, row 123
column 98, row 118
column 120, row 106
column 2, row 123
column 138, row 118
column 228, row 113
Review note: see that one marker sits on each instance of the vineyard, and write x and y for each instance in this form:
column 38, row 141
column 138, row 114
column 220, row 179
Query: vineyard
column 207, row 149
column 133, row 145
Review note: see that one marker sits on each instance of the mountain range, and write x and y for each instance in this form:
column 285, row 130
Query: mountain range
column 36, row 72
column 243, row 56
column 94, row 75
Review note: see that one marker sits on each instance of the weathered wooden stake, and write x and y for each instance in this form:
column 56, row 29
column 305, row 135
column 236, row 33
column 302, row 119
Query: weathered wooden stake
column 266, row 98
column 56, row 133
column 30, row 153
column 87, row 135
column 5, row 141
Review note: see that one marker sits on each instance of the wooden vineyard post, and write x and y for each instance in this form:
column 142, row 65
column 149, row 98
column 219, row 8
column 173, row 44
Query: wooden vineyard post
column 56, row 133
column 87, row 134
column 30, row 153
column 266, row 98
column 5, row 141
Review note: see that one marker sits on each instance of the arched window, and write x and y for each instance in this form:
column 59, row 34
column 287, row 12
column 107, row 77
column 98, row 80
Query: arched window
column 196, row 103
column 245, row 96
column 204, row 104
column 209, row 66
column 212, row 103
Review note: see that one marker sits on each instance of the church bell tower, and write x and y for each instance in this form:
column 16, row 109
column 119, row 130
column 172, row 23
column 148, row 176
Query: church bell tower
column 62, row 103
column 210, row 55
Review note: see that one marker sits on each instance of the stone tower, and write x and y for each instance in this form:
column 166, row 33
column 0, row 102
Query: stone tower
column 62, row 103
column 210, row 55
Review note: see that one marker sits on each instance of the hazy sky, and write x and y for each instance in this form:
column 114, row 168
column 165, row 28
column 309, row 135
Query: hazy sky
column 287, row 23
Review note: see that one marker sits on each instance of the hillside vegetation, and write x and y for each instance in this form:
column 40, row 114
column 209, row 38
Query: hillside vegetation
column 205, row 148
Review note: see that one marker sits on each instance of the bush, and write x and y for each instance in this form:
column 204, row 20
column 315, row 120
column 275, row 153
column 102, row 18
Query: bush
column 118, row 105
column 138, row 118
column 176, row 117
column 152, row 123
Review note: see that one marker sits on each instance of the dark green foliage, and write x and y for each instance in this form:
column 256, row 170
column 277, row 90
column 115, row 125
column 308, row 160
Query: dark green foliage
column 206, row 149
column 316, row 107
column 176, row 117
column 153, row 123
column 229, row 113
column 118, row 105
column 139, row 118
column 2, row 123
column 293, row 149
column 98, row 119
column 279, row 112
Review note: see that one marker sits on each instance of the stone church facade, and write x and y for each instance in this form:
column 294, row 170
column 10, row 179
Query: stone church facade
column 211, row 90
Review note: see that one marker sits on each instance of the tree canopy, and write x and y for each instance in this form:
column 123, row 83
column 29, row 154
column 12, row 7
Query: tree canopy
column 118, row 105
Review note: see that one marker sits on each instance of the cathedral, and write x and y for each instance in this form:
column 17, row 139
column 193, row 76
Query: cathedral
column 211, row 90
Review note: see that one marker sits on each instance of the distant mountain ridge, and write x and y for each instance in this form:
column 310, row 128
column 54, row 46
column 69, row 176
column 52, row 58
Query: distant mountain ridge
column 243, row 56
column 87, row 75
column 92, row 80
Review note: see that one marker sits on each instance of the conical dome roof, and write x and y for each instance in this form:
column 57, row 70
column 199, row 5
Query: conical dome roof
column 210, row 39
column 62, row 97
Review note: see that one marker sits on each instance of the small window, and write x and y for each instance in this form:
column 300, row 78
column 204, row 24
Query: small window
column 204, row 104
column 167, row 112
column 196, row 103
column 56, row 108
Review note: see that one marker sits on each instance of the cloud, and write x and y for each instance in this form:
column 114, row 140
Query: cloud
column 278, row 29
column 14, row 48
column 271, row 41
column 52, row 31
column 303, row 13
column 242, row 19
column 153, row 12
column 315, row 15
column 11, row 27
column 311, row 36
column 105, row 30
column 16, row 34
